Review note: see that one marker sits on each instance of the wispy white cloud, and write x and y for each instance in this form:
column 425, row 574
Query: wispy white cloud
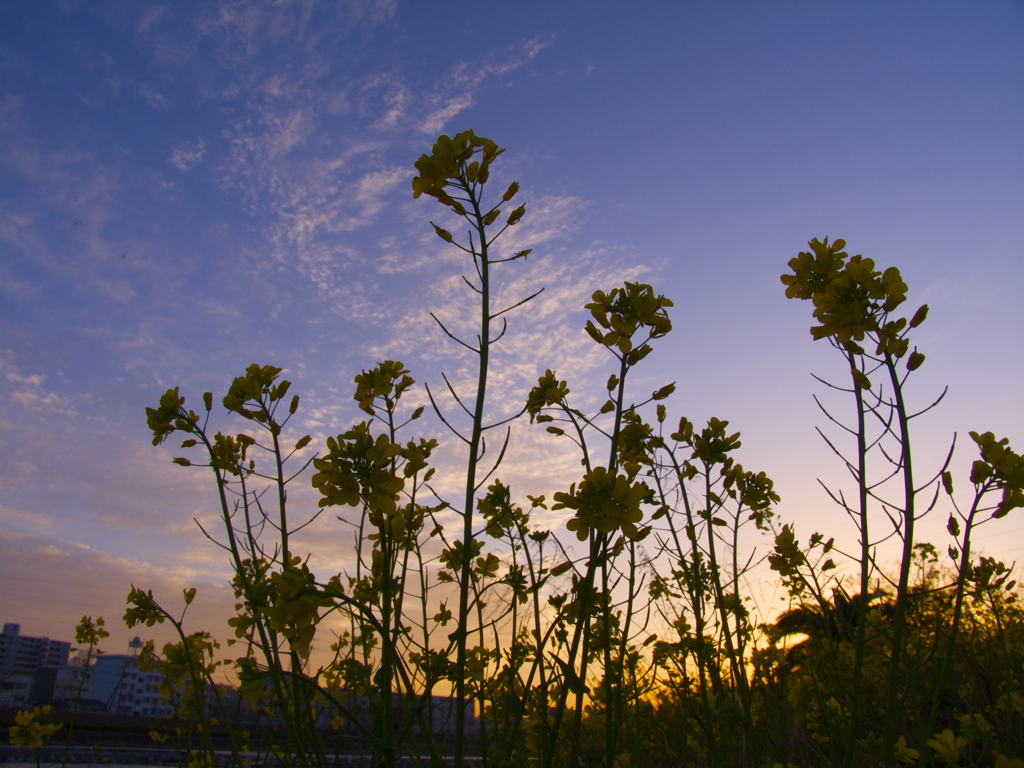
column 435, row 122
column 457, row 92
column 187, row 155
column 372, row 12
column 35, row 380
column 283, row 160
column 33, row 522
column 153, row 97
column 251, row 25
column 28, row 394
column 314, row 158
column 149, row 17
column 287, row 131
column 336, row 103
column 43, row 401
column 385, row 99
column 372, row 186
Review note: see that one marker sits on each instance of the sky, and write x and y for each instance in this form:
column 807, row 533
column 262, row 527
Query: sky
column 188, row 188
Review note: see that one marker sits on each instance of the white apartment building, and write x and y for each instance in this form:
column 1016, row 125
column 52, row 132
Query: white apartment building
column 21, row 655
column 24, row 661
column 117, row 682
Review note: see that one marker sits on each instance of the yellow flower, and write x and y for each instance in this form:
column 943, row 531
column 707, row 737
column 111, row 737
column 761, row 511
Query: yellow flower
column 948, row 746
column 29, row 732
column 604, row 501
column 904, row 753
column 89, row 632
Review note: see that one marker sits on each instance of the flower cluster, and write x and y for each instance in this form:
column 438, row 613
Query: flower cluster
column 28, row 731
column 853, row 301
column 712, row 445
column 359, row 467
column 548, row 391
column 169, row 416
column 606, row 502
column 622, row 313
column 637, row 443
column 464, row 162
column 451, row 159
column 143, row 609
column 851, row 298
column 257, row 387
column 296, row 609
column 501, row 514
column 755, row 491
column 387, row 381
column 1001, row 467
column 89, row 632
column 788, row 556
column 948, row 746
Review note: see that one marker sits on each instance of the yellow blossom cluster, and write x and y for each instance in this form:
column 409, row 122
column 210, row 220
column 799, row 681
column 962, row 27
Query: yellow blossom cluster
column 606, row 502
column 29, row 731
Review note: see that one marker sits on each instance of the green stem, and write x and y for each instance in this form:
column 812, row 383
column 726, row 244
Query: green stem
column 78, row 698
column 471, row 468
column 892, row 719
column 865, row 574
column 958, row 601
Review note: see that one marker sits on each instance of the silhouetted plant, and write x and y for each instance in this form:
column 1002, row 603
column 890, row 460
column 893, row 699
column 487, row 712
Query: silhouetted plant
column 641, row 648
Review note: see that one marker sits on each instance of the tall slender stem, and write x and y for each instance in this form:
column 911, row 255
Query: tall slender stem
column 483, row 265
column 903, row 589
column 865, row 572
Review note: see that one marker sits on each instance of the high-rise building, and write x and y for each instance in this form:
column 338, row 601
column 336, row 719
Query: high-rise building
column 22, row 655
column 22, row 660
column 117, row 682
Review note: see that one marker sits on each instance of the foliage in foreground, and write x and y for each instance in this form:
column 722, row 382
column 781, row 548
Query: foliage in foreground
column 636, row 645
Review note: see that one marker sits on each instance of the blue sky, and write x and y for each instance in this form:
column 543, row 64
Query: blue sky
column 187, row 188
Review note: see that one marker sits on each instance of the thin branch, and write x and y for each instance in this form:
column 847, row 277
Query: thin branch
column 573, row 413
column 501, row 455
column 476, row 257
column 871, row 488
column 838, row 500
column 931, row 504
column 893, row 520
column 440, row 415
column 207, row 535
column 829, row 384
column 301, row 469
column 897, row 463
column 457, row 399
column 452, row 336
column 499, row 233
column 943, row 468
column 928, row 408
column 504, row 327
column 471, row 286
column 505, row 421
column 518, row 303
column 308, row 522
column 831, row 418
column 454, row 242
column 837, row 452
